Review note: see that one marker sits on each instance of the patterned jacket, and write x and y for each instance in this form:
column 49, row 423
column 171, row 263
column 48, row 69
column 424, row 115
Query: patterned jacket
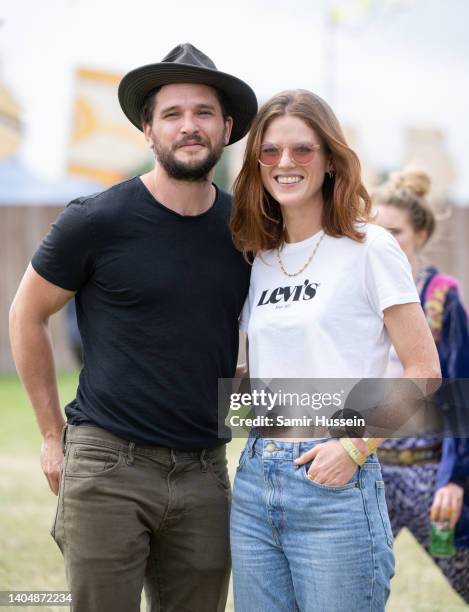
column 448, row 322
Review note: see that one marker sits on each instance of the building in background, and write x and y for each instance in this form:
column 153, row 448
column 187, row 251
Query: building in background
column 426, row 146
column 104, row 146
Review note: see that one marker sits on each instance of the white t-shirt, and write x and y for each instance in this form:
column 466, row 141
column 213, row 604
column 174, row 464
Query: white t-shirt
column 327, row 322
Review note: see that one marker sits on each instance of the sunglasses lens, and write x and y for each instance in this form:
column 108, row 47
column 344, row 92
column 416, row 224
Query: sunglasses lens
column 302, row 153
column 270, row 155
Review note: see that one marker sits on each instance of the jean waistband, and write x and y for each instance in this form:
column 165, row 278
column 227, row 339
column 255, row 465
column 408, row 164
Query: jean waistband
column 91, row 434
column 272, row 448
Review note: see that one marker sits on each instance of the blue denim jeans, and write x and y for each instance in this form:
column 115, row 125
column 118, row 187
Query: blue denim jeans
column 298, row 545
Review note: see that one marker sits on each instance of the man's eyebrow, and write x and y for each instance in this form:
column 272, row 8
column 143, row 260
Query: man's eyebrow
column 170, row 108
column 176, row 107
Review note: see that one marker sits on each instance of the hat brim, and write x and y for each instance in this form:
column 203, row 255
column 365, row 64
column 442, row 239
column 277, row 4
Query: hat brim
column 240, row 99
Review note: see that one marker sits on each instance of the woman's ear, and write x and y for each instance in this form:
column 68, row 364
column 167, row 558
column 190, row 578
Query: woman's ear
column 421, row 238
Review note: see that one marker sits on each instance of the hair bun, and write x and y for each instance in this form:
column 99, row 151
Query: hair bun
column 413, row 178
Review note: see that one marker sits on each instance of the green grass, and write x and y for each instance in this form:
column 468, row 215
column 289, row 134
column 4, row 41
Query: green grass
column 18, row 433
column 30, row 560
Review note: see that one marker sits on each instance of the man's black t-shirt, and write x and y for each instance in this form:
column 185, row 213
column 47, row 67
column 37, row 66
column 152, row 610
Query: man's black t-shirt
column 158, row 300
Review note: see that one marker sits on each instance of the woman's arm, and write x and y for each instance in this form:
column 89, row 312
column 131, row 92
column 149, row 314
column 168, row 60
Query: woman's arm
column 242, row 369
column 412, row 339
column 410, row 334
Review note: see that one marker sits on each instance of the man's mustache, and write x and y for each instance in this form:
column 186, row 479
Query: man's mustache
column 192, row 139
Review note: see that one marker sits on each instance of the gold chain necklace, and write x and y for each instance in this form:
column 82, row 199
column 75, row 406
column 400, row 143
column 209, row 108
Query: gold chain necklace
column 310, row 259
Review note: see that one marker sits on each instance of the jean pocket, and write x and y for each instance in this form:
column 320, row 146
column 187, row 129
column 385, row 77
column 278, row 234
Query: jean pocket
column 87, row 460
column 383, row 511
column 352, row 483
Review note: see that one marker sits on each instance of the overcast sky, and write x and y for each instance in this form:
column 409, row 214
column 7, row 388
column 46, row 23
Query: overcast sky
column 397, row 67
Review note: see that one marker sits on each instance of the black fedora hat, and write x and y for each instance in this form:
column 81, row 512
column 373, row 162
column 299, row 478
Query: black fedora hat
column 186, row 64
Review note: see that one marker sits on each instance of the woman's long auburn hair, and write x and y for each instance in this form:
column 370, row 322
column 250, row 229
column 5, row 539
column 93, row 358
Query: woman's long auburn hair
column 256, row 220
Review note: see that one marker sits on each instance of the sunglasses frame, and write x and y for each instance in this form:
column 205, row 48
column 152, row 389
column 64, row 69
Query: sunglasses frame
column 315, row 147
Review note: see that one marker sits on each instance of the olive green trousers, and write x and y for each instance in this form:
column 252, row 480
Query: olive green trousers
column 133, row 517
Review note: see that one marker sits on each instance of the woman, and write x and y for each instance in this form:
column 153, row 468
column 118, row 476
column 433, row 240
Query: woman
column 328, row 292
column 439, row 467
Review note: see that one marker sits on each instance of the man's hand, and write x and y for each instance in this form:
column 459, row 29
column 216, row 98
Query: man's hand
column 447, row 504
column 332, row 465
column 51, row 461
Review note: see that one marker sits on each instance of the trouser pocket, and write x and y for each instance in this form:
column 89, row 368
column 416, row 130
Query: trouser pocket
column 60, row 501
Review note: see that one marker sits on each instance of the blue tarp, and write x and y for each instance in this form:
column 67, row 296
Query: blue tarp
column 19, row 186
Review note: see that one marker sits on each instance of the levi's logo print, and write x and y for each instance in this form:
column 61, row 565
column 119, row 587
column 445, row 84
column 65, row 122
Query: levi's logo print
column 281, row 296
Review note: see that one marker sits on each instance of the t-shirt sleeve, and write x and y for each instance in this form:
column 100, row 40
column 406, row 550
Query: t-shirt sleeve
column 65, row 256
column 388, row 275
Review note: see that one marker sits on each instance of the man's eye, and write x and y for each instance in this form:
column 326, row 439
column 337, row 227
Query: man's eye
column 171, row 115
column 205, row 112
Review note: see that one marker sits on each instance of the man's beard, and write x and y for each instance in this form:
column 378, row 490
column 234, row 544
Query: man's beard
column 187, row 171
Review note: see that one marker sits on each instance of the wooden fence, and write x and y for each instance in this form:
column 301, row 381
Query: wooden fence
column 21, row 230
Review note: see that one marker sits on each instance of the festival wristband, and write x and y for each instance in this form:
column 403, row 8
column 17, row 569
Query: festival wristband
column 371, row 444
column 353, row 451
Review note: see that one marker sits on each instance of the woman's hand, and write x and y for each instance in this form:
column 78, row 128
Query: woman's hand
column 332, row 465
column 241, row 370
column 447, row 504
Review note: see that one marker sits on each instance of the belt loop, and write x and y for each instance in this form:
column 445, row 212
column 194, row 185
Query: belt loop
column 64, row 438
column 172, row 457
column 203, row 461
column 130, row 456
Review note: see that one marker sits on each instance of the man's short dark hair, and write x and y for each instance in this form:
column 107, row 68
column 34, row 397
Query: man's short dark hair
column 148, row 106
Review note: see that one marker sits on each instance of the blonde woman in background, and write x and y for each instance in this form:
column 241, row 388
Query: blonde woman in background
column 427, row 478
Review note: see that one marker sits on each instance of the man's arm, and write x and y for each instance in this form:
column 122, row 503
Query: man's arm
column 35, row 301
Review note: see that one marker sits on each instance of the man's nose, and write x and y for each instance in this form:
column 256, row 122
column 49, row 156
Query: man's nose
column 189, row 124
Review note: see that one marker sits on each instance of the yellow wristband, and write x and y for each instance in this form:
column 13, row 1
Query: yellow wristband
column 353, row 451
column 371, row 444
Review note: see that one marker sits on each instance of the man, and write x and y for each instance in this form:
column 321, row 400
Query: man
column 143, row 487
